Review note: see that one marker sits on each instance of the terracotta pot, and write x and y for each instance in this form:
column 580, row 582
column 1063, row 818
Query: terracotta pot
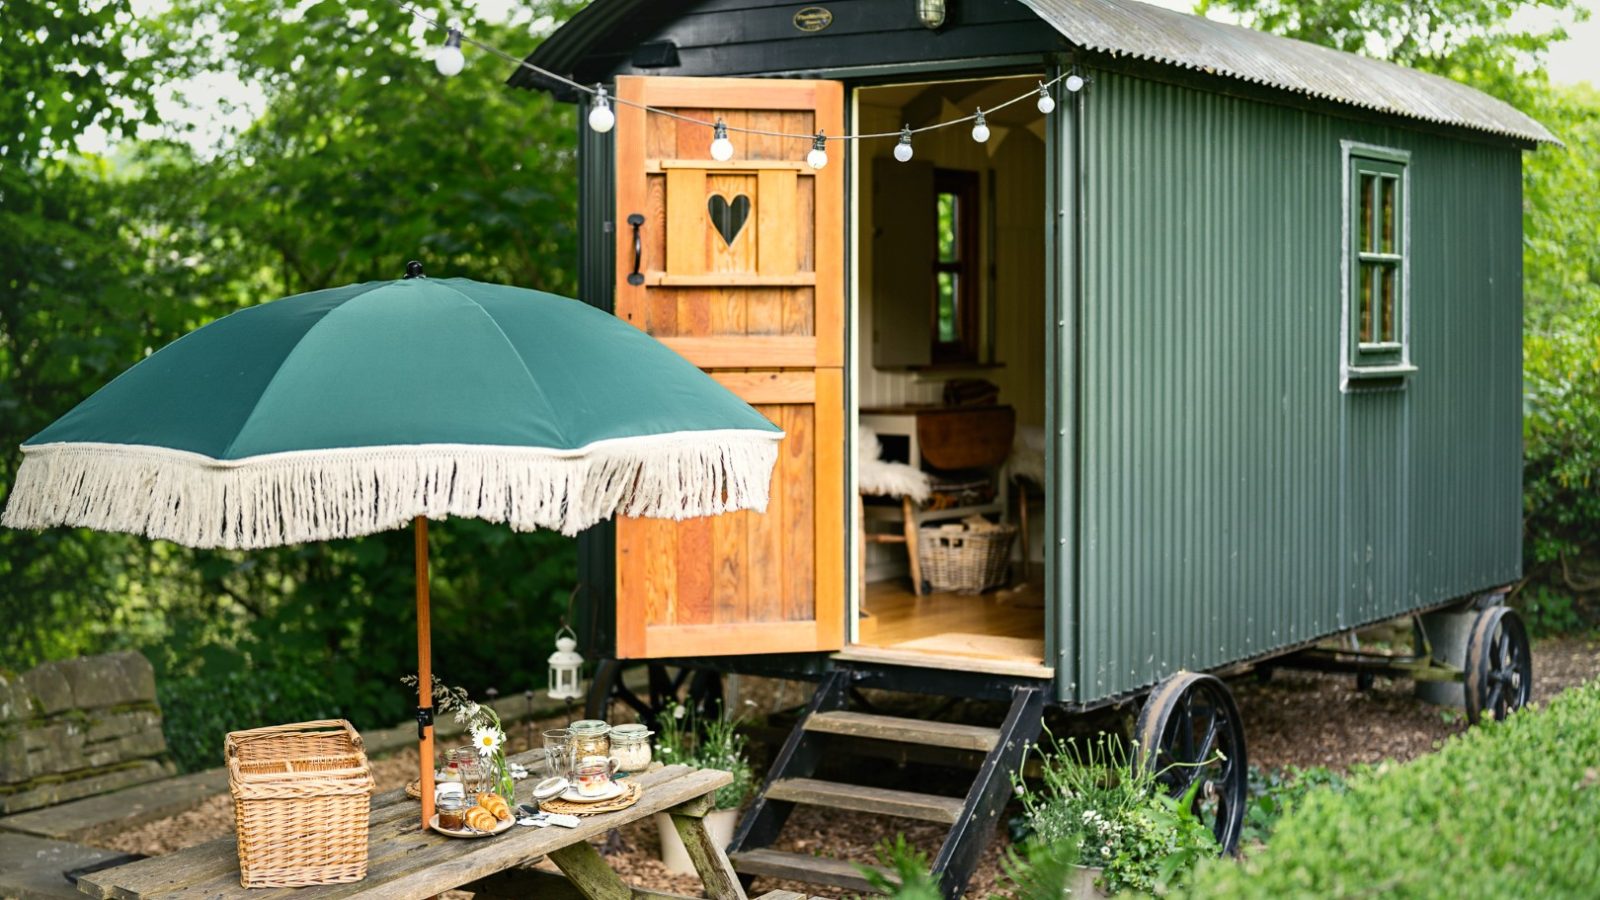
column 719, row 824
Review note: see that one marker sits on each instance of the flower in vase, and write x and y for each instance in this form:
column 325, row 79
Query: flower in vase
column 487, row 740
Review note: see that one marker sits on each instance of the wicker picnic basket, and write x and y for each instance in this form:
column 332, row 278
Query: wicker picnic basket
column 964, row 558
column 301, row 797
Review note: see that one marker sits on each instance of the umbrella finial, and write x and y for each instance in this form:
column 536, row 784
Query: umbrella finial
column 414, row 270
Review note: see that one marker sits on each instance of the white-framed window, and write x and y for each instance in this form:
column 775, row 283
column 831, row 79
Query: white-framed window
column 1377, row 254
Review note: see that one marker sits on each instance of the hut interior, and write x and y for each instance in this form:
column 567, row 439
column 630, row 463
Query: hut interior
column 949, row 301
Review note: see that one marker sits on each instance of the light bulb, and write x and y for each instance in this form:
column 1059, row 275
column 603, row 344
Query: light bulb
column 818, row 157
column 601, row 118
column 902, row 150
column 449, row 60
column 1047, row 103
column 1075, row 82
column 721, row 147
column 980, row 129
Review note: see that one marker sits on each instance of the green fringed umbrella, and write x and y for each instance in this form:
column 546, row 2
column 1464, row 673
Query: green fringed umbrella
column 360, row 409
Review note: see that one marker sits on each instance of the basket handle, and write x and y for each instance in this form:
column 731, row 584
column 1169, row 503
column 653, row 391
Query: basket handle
column 234, row 739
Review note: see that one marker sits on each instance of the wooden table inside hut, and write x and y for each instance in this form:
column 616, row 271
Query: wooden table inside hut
column 407, row 862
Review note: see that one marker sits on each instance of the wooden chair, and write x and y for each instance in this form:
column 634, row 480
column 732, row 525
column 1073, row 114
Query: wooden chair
column 877, row 477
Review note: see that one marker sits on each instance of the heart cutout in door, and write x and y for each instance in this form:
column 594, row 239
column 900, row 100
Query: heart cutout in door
column 729, row 218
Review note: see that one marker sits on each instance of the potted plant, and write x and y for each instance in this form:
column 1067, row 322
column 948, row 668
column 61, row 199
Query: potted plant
column 712, row 744
column 1100, row 824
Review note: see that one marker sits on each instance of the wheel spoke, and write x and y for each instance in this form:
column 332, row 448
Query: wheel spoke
column 626, row 695
column 1186, row 729
column 1209, row 743
column 1492, row 701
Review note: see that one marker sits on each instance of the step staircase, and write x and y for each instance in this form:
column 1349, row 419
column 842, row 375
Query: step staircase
column 827, row 729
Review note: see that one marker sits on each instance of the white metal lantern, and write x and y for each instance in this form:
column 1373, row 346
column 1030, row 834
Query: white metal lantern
column 566, row 667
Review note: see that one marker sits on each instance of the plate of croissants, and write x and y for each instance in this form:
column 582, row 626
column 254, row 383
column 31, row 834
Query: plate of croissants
column 491, row 816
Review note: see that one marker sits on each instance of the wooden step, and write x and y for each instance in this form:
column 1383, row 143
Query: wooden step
column 905, row 804
column 804, row 868
column 905, row 731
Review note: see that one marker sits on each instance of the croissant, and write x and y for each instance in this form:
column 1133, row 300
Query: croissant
column 495, row 804
column 481, row 819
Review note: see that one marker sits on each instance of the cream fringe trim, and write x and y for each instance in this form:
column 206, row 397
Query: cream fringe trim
column 302, row 496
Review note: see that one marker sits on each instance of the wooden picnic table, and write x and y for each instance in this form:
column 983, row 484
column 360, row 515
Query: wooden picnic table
column 405, row 861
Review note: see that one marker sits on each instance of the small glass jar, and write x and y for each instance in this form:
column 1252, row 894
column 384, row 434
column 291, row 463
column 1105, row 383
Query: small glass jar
column 452, row 809
column 630, row 744
column 590, row 737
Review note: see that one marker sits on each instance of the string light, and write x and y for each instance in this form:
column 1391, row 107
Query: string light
column 449, row 60
column 601, row 118
column 721, row 147
column 818, row 157
column 902, row 150
column 1047, row 103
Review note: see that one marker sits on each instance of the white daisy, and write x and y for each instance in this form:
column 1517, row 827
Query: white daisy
column 487, row 740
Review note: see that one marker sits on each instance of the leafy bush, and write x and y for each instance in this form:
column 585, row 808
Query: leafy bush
column 713, row 743
column 909, row 874
column 1509, row 809
column 1273, row 793
column 1097, row 807
column 198, row 712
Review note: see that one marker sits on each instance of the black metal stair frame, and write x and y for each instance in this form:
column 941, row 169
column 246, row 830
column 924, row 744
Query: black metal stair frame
column 972, row 819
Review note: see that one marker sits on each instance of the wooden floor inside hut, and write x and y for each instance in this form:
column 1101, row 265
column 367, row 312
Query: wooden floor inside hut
column 999, row 625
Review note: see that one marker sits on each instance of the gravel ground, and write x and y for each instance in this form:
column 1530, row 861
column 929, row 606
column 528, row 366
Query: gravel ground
column 1300, row 719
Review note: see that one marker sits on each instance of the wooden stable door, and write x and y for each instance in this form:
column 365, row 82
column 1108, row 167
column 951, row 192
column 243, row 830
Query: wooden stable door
column 740, row 268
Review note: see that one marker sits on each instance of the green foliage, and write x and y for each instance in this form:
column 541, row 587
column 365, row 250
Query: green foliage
column 713, row 743
column 1097, row 807
column 1505, row 810
column 1274, row 793
column 909, row 875
column 361, row 157
column 198, row 712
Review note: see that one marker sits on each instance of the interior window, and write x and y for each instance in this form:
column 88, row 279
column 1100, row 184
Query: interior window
column 955, row 267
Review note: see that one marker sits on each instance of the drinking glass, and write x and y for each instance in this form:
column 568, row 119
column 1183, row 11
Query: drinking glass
column 558, row 751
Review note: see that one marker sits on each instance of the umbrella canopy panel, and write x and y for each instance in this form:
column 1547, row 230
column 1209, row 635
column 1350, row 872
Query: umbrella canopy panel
column 351, row 410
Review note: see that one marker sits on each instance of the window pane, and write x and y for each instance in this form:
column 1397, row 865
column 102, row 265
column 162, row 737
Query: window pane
column 949, row 247
column 1369, row 185
column 946, row 310
column 1389, row 186
column 1386, row 278
column 1364, row 313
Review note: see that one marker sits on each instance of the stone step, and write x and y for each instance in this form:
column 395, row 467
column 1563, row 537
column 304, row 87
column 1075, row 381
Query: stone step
column 805, row 868
column 124, row 808
column 905, row 731
column 32, row 868
column 882, row 801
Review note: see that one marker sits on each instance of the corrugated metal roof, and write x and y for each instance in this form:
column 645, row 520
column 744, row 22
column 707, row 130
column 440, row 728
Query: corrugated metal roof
column 1139, row 30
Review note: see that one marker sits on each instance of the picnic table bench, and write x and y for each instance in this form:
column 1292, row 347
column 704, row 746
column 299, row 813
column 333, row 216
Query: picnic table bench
column 405, row 861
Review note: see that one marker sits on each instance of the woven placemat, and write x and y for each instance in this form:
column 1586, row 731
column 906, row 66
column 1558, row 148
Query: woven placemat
column 558, row 805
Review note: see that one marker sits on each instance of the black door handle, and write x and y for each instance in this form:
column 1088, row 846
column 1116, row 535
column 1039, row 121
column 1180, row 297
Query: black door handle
column 635, row 278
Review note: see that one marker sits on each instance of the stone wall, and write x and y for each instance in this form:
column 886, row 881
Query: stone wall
column 77, row 728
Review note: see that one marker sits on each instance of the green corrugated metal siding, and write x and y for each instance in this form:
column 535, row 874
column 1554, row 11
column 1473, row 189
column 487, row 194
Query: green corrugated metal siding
column 1232, row 499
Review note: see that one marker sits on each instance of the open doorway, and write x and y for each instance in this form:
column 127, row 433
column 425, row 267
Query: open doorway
column 950, row 387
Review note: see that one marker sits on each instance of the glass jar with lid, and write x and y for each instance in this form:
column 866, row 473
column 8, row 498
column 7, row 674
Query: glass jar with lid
column 590, row 737
column 630, row 744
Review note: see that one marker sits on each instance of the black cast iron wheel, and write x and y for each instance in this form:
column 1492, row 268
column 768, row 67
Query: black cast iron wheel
column 1499, row 665
column 1189, row 731
column 698, row 689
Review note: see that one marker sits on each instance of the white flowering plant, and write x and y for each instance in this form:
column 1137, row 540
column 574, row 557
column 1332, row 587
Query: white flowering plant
column 712, row 743
column 483, row 725
column 1096, row 807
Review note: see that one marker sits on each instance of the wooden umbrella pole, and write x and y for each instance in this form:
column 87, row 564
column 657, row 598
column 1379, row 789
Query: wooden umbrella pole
column 424, row 673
